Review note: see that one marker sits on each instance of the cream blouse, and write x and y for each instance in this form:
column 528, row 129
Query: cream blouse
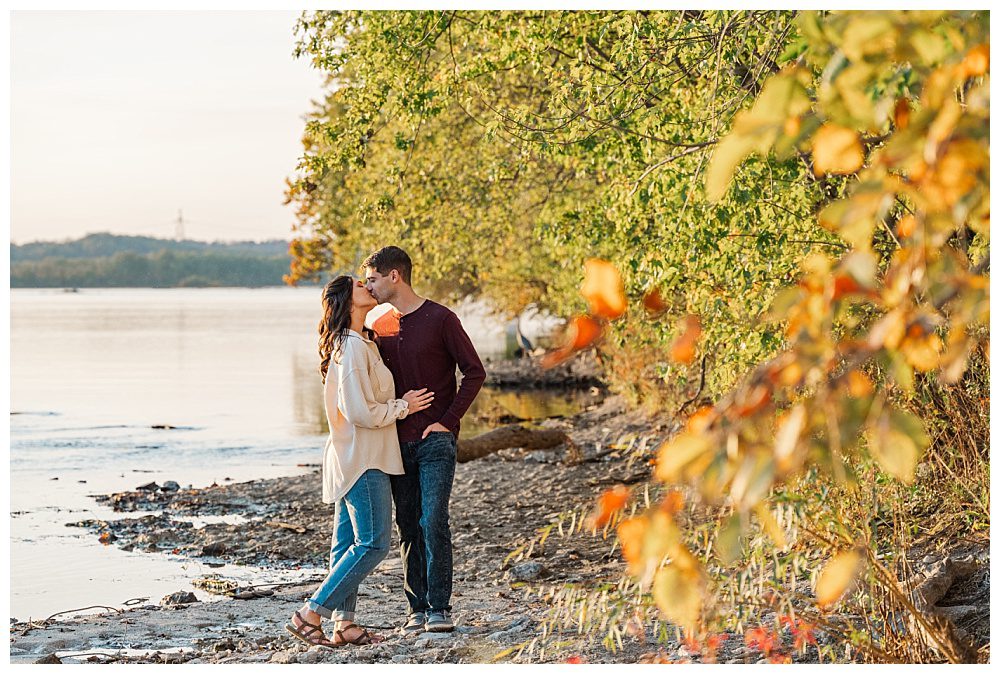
column 362, row 414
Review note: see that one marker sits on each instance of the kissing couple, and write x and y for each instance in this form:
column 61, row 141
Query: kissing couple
column 394, row 409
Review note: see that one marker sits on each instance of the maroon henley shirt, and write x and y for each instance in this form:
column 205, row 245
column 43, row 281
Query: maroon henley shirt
column 421, row 349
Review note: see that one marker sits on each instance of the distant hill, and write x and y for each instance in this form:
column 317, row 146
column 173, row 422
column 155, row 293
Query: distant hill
column 106, row 245
column 110, row 260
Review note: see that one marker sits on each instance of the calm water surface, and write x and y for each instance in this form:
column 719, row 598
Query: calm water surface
column 232, row 371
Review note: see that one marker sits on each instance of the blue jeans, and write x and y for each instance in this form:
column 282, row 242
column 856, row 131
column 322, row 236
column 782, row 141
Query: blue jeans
column 422, row 495
column 363, row 523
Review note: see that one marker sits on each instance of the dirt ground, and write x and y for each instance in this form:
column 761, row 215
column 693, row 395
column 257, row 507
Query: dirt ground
column 498, row 504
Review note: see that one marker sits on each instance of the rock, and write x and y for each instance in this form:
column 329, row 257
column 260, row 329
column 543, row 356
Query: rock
column 427, row 639
column 224, row 645
column 213, row 549
column 170, row 485
column 311, row 657
column 285, row 657
column 401, row 658
column 50, row 659
column 149, row 486
column 178, row 598
column 529, row 571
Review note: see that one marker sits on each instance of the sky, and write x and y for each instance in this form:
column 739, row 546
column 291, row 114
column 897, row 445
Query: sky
column 121, row 119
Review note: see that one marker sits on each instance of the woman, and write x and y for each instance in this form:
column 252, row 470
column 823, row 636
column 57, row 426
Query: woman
column 361, row 452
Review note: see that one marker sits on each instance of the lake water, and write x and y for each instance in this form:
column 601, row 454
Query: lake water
column 232, row 371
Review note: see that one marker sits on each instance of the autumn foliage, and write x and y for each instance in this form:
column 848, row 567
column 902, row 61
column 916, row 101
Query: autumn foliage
column 909, row 296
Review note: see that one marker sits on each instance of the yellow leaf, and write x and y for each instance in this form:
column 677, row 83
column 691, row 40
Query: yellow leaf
column 787, row 437
column 837, row 577
column 646, row 540
column 676, row 453
column 728, row 155
column 728, row 545
column 922, row 351
column 837, row 149
column 897, row 443
column 678, row 594
column 753, row 480
column 771, row 526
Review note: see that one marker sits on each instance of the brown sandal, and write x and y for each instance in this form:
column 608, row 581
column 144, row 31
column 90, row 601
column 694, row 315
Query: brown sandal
column 362, row 639
column 307, row 632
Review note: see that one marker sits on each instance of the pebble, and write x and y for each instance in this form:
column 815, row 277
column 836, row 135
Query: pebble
column 180, row 597
column 149, row 486
column 529, row 571
column 170, row 485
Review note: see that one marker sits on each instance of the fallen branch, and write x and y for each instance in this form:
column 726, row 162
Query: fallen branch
column 507, row 437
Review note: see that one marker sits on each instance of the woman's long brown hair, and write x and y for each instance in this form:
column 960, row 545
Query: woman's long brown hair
column 336, row 321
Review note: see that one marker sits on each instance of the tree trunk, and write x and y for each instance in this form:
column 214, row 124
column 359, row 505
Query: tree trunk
column 506, row 437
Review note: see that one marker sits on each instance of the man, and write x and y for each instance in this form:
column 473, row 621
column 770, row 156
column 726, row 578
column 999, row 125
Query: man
column 421, row 342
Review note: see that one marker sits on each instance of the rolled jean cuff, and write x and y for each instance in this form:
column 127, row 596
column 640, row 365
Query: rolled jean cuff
column 347, row 616
column 319, row 608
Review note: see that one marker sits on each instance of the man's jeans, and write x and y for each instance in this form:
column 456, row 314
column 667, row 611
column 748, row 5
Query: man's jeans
column 362, row 530
column 422, row 495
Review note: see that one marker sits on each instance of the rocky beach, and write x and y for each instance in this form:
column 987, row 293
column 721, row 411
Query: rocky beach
column 503, row 571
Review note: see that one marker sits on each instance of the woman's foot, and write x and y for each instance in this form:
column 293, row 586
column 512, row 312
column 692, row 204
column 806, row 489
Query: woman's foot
column 351, row 633
column 304, row 629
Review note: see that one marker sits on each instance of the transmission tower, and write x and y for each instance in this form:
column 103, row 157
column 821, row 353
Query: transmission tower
column 180, row 225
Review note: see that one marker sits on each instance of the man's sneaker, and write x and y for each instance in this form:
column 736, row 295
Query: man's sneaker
column 415, row 622
column 439, row 621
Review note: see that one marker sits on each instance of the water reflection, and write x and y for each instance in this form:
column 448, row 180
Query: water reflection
column 307, row 395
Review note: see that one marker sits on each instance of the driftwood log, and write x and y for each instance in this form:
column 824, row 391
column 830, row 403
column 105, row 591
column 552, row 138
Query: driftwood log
column 506, row 437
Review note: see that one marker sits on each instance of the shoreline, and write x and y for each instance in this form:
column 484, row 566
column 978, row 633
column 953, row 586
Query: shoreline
column 499, row 504
column 286, row 526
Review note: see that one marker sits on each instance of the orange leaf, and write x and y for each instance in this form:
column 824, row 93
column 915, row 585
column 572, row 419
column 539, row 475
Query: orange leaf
column 608, row 503
column 858, row 384
column 762, row 639
column 976, row 62
column 699, row 421
column 632, row 533
column 844, row 285
column 837, row 150
column 901, row 115
column 653, row 302
column 673, row 502
column 603, row 289
column 581, row 333
column 683, row 349
column 757, row 398
column 906, row 226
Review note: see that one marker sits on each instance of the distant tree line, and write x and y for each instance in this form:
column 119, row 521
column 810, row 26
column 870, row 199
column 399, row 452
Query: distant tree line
column 106, row 260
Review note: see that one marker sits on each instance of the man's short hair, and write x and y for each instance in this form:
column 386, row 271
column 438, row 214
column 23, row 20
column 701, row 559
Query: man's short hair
column 387, row 258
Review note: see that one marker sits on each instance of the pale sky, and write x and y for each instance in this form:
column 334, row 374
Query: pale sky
column 119, row 119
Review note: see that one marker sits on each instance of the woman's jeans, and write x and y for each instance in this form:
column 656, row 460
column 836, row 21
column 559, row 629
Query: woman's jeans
column 363, row 520
column 422, row 495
